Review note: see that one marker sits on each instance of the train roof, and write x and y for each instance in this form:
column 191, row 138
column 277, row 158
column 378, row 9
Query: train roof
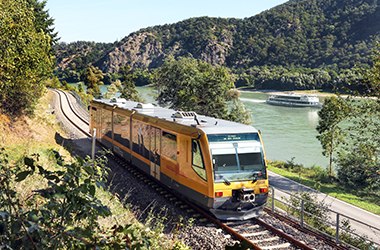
column 209, row 125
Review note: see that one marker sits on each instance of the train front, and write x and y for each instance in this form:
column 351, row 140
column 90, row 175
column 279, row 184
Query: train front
column 240, row 175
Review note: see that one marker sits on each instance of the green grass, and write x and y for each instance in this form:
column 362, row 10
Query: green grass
column 330, row 189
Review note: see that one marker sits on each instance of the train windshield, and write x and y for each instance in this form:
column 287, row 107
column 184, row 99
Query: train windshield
column 238, row 160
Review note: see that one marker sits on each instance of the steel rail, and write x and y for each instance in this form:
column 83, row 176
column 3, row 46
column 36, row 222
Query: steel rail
column 73, row 110
column 304, row 229
column 67, row 117
column 199, row 210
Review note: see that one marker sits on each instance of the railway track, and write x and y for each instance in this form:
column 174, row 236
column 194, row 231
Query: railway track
column 253, row 234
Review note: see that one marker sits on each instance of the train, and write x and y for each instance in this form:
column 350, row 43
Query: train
column 217, row 164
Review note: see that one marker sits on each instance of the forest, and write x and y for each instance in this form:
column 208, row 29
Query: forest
column 304, row 44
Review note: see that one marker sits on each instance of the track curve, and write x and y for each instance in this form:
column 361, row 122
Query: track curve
column 256, row 234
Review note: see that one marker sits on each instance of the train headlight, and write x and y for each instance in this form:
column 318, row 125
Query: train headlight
column 246, row 195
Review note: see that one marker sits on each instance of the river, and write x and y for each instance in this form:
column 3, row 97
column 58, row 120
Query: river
column 287, row 132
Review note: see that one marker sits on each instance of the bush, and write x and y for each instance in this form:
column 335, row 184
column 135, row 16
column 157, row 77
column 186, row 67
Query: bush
column 315, row 212
column 320, row 174
column 64, row 212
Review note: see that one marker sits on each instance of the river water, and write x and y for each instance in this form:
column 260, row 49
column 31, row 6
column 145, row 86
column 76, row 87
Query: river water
column 287, row 132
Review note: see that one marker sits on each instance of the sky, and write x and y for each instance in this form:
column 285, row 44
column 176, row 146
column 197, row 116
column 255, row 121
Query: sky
column 111, row 20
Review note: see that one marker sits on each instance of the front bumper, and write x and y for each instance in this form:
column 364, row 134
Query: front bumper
column 225, row 208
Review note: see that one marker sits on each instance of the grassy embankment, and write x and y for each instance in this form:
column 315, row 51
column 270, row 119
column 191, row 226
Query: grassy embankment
column 27, row 136
column 312, row 177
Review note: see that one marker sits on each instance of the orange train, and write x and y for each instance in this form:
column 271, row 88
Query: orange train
column 218, row 164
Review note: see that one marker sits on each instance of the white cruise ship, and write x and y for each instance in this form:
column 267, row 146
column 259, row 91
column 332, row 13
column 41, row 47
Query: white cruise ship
column 294, row 100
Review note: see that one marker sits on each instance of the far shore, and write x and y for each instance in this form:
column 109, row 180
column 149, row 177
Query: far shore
column 273, row 91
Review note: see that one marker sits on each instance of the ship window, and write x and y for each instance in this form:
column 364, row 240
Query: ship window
column 197, row 160
column 169, row 145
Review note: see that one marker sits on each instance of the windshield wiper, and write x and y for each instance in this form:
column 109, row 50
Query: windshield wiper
column 227, row 182
column 256, row 175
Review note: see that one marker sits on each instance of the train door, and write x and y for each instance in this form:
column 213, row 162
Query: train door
column 155, row 152
column 96, row 121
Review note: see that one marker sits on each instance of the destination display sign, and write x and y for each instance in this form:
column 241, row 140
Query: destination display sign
column 233, row 137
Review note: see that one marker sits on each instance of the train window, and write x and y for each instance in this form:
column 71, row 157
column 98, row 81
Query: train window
column 145, row 139
column 169, row 145
column 140, row 139
column 121, row 129
column 197, row 160
column 107, row 123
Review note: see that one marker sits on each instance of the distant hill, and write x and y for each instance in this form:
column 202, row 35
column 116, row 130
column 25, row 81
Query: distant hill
column 73, row 58
column 334, row 34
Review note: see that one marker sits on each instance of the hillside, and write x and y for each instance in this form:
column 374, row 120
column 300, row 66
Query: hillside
column 331, row 34
column 72, row 58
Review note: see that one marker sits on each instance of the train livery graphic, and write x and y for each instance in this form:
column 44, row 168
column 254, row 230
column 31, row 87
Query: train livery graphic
column 217, row 164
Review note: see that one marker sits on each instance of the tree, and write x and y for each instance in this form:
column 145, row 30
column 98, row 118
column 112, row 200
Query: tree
column 359, row 162
column 128, row 87
column 238, row 112
column 112, row 89
column 93, row 77
column 373, row 75
column 334, row 110
column 43, row 21
column 190, row 84
column 25, row 61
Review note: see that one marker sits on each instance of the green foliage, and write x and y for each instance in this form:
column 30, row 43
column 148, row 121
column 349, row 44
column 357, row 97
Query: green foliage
column 373, row 75
column 239, row 113
column 93, row 77
column 316, row 173
column 308, row 33
column 53, row 83
column 347, row 235
column 128, row 87
column 333, row 112
column 297, row 45
column 315, row 212
column 64, row 212
column 67, row 212
column 43, row 21
column 73, row 58
column 359, row 159
column 349, row 129
column 25, row 60
column 190, row 84
column 112, row 89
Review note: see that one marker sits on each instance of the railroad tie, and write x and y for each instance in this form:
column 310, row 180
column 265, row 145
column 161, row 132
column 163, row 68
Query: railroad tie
column 255, row 234
column 285, row 245
column 236, row 223
column 266, row 240
column 251, row 227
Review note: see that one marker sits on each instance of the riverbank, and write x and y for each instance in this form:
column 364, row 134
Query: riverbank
column 319, row 93
column 316, row 179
